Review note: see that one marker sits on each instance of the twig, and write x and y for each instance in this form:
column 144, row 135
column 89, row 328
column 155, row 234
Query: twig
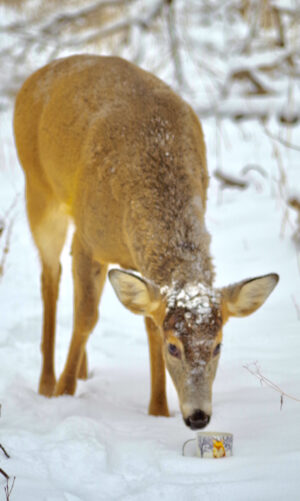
column 8, row 213
column 252, row 30
column 4, row 474
column 6, row 454
column 247, row 75
column 118, row 27
column 229, row 181
column 12, row 206
column 286, row 11
column 174, row 42
column 8, row 489
column 282, row 182
column 254, row 167
column 253, row 179
column 255, row 371
column 287, row 144
column 279, row 25
column 6, row 247
column 69, row 17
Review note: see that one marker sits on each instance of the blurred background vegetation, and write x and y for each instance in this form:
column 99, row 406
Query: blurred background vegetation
column 237, row 58
column 235, row 61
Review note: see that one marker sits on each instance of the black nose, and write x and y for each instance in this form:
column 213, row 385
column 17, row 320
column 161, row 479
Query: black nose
column 197, row 420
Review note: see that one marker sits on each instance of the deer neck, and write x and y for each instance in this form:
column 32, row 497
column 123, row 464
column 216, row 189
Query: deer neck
column 175, row 253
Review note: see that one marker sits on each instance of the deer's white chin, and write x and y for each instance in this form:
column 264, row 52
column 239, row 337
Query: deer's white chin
column 188, row 408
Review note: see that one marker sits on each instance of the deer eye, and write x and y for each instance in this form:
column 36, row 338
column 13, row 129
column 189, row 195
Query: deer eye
column 173, row 350
column 217, row 350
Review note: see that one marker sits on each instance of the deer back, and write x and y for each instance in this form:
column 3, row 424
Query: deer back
column 122, row 152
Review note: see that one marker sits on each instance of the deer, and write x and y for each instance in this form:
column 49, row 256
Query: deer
column 114, row 150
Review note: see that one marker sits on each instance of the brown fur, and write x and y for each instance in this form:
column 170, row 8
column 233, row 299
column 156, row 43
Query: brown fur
column 111, row 147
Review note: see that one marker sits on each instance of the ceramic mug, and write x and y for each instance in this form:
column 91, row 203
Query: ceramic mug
column 211, row 444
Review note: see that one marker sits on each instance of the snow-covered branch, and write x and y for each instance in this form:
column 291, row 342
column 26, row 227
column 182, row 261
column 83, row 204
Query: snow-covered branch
column 233, row 58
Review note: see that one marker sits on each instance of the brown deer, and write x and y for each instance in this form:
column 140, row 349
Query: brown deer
column 114, row 149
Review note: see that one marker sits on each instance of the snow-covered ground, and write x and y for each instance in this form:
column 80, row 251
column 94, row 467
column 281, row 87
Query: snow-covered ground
column 101, row 444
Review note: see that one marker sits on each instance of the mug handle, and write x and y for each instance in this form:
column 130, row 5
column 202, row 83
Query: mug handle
column 185, row 443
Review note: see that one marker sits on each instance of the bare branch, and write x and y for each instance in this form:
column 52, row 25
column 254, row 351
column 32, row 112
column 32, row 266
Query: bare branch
column 67, row 18
column 287, row 144
column 252, row 29
column 280, row 26
column 143, row 21
column 229, row 181
column 4, row 474
column 6, row 454
column 78, row 16
column 174, row 43
column 295, row 13
column 255, row 370
column 8, row 489
column 7, row 231
column 248, row 75
column 6, row 247
column 263, row 80
column 253, row 167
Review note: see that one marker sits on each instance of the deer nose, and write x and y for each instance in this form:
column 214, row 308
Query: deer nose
column 197, row 420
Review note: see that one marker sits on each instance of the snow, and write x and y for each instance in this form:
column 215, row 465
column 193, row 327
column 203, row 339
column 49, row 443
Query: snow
column 193, row 296
column 101, row 444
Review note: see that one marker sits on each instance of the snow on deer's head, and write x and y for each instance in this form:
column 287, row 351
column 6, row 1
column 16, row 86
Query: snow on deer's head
column 190, row 317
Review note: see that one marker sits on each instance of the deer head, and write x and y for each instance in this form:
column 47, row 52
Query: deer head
column 190, row 318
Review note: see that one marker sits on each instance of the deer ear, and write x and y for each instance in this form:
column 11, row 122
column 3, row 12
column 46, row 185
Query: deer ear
column 245, row 297
column 135, row 293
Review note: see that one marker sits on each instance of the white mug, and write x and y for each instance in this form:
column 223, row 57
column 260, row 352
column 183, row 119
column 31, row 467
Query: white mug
column 211, row 444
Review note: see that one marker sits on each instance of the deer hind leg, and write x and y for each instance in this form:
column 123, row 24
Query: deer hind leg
column 158, row 402
column 48, row 224
column 89, row 278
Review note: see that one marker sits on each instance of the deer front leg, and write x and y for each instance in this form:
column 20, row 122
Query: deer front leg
column 50, row 284
column 89, row 277
column 158, row 403
column 83, row 371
